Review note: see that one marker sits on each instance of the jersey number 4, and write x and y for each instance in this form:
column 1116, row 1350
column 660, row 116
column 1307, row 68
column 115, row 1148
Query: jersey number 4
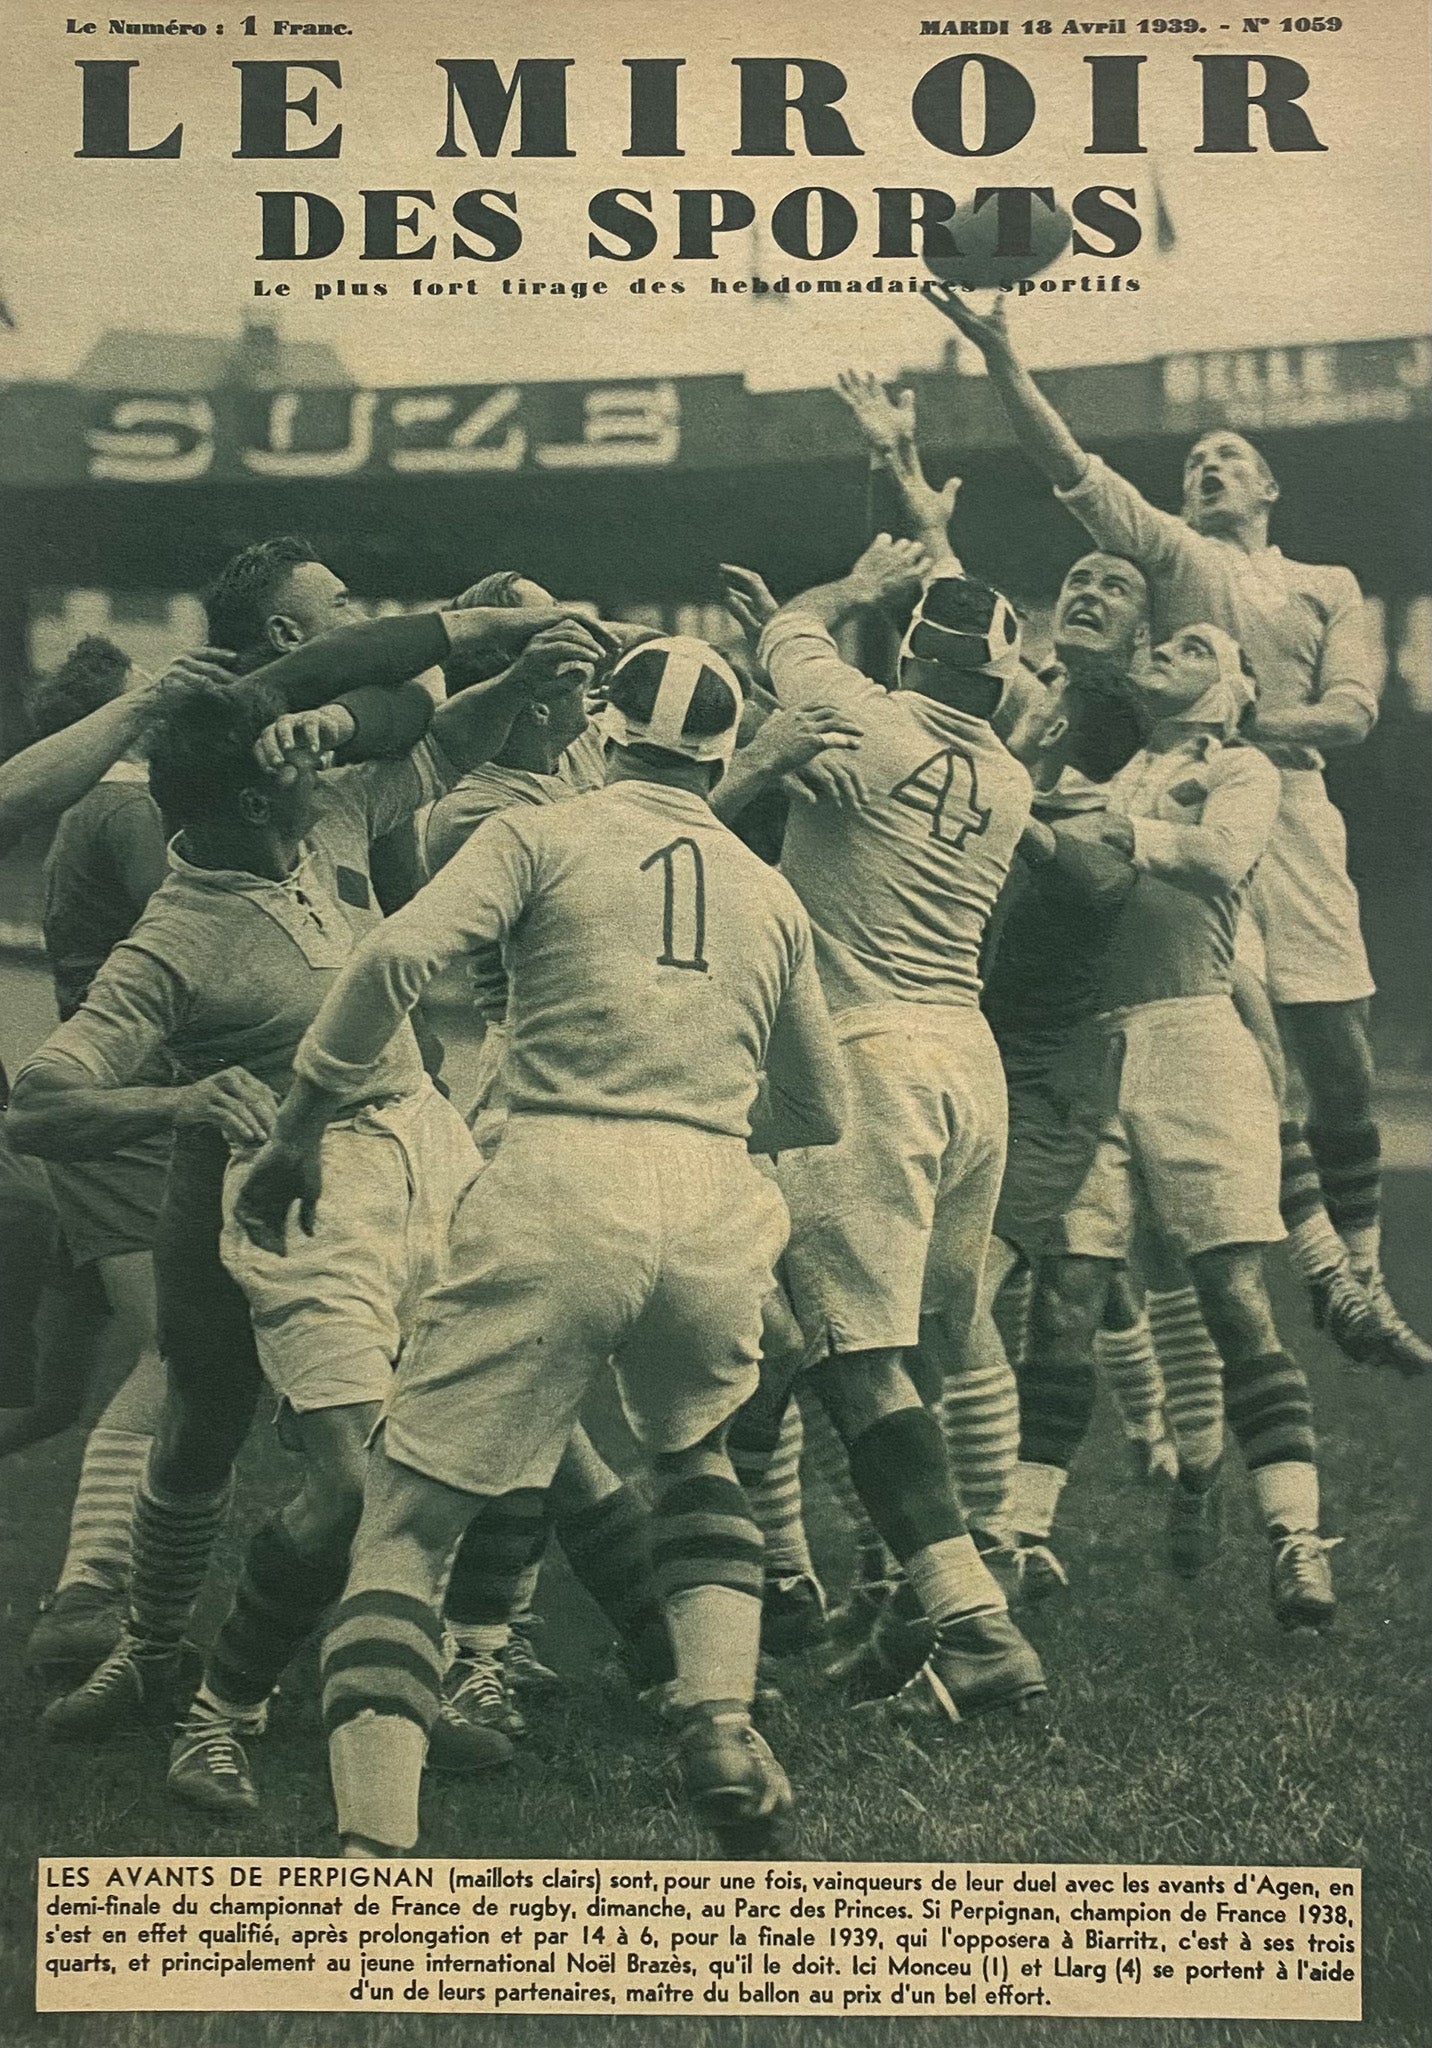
column 945, row 790
column 683, row 904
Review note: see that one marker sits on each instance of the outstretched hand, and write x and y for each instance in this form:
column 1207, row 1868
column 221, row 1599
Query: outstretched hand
column 748, row 600
column 988, row 331
column 887, row 424
column 888, row 569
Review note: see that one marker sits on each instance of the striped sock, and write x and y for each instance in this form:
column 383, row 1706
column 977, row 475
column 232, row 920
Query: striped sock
column 173, row 1540
column 500, row 1546
column 1350, row 1168
column 703, row 1535
column 1313, row 1244
column 279, row 1601
column 1192, row 1375
column 1270, row 1410
column 979, row 1419
column 772, row 1486
column 1127, row 1358
column 1011, row 1314
column 1056, row 1407
column 902, row 1475
column 827, row 1462
column 100, row 1521
column 383, row 1664
column 608, row 1546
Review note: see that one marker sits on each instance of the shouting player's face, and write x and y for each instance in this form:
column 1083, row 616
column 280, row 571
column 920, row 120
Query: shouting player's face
column 1103, row 609
column 1226, row 483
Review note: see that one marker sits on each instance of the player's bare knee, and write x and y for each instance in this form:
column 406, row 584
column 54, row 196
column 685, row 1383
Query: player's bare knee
column 1233, row 1295
column 859, row 1387
column 1067, row 1306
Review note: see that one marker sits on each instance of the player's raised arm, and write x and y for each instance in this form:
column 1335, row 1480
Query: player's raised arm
column 474, row 724
column 797, row 650
column 804, row 1099
column 1038, row 428
column 888, row 427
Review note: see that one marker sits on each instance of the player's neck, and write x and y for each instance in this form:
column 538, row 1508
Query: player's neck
column 1248, row 534
column 530, row 751
column 243, row 849
column 693, row 776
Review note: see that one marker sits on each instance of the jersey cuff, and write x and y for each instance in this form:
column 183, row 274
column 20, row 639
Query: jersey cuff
column 324, row 1070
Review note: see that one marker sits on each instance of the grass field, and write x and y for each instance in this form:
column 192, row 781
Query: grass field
column 1188, row 1729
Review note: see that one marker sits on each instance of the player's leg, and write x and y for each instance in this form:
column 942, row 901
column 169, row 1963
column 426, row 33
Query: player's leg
column 1192, row 1373
column 293, row 1569
column 1270, row 1413
column 605, row 1529
column 1329, row 1042
column 765, row 1442
column 977, row 1659
column 1056, row 1400
column 383, row 1654
column 689, row 1364
column 1124, row 1353
column 977, row 1400
column 212, row 1384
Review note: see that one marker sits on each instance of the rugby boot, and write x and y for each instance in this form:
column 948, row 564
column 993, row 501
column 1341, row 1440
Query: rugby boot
column 460, row 1747
column 1402, row 1348
column 893, row 1652
column 522, row 1668
column 729, row 1776
column 78, row 1627
column 1038, row 1573
column 1344, row 1308
column 477, row 1690
column 207, row 1764
column 793, row 1614
column 980, row 1664
column 134, row 1684
column 1302, row 1580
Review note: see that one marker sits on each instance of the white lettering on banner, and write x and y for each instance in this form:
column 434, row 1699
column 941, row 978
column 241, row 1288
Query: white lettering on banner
column 467, row 448
column 621, row 428
column 624, row 426
column 153, row 441
column 282, row 459
column 1295, row 387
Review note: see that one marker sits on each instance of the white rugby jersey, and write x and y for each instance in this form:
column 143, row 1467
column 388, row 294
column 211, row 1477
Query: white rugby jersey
column 899, row 893
column 648, row 953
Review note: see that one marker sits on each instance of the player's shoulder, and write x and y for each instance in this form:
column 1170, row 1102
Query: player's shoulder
column 1240, row 760
column 180, row 932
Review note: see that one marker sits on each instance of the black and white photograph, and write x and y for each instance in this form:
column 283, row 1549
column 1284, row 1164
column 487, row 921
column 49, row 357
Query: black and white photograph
column 715, row 951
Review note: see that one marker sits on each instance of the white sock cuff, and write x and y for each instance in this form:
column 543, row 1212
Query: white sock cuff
column 1287, row 1495
column 1034, row 1497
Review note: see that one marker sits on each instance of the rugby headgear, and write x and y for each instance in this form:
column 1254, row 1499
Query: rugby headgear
column 667, row 673
column 1224, row 702
column 963, row 624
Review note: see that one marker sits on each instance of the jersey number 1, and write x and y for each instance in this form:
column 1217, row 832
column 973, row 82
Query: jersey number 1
column 683, row 906
column 946, row 791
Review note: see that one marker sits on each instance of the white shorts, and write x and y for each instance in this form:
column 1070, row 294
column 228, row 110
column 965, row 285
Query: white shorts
column 894, row 1221
column 1190, row 1132
column 329, row 1317
column 586, row 1239
column 1304, row 902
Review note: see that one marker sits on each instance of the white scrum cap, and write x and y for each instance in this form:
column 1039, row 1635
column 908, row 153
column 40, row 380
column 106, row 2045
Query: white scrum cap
column 674, row 668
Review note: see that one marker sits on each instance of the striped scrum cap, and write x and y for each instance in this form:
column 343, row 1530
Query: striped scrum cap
column 667, row 673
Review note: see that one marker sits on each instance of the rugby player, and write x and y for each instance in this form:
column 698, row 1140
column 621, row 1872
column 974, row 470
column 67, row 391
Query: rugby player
column 893, row 1223
column 1188, row 1111
column 1304, row 629
column 279, row 868
column 655, row 967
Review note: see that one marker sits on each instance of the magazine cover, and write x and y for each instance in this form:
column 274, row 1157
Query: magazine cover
column 714, row 936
